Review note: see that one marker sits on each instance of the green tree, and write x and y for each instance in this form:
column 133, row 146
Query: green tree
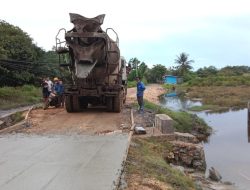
column 207, row 71
column 23, row 62
column 184, row 65
column 234, row 70
column 50, row 65
column 156, row 73
column 134, row 62
column 17, row 44
column 138, row 68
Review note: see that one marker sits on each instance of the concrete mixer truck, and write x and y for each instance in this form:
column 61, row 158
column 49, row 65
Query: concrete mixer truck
column 98, row 72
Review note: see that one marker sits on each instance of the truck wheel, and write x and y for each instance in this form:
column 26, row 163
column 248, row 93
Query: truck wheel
column 124, row 93
column 109, row 103
column 75, row 103
column 68, row 104
column 118, row 102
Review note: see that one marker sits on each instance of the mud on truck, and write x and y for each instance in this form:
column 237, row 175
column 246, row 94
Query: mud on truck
column 98, row 72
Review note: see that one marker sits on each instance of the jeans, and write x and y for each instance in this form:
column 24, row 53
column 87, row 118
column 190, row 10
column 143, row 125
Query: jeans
column 140, row 102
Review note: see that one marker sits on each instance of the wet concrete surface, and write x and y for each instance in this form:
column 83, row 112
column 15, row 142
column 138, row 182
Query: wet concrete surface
column 61, row 162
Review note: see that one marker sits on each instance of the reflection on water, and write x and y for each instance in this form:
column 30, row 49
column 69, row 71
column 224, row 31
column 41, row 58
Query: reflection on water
column 228, row 149
column 176, row 103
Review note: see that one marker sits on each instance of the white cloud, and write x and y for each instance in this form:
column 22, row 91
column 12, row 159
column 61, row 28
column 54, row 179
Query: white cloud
column 139, row 23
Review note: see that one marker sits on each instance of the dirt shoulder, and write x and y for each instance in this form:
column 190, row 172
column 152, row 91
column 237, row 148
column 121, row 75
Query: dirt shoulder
column 152, row 92
column 89, row 122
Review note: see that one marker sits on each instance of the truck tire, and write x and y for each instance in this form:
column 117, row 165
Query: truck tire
column 124, row 96
column 75, row 103
column 68, row 104
column 109, row 103
column 118, row 102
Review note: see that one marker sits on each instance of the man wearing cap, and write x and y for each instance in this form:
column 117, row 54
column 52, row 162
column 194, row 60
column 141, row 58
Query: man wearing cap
column 140, row 91
column 58, row 90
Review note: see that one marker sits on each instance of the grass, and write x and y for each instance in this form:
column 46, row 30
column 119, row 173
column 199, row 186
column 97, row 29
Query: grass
column 223, row 96
column 169, row 86
column 18, row 116
column 11, row 97
column 183, row 121
column 146, row 159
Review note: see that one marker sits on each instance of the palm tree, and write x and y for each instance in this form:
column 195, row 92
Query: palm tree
column 184, row 65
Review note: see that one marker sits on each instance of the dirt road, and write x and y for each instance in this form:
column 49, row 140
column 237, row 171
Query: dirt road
column 152, row 92
column 91, row 121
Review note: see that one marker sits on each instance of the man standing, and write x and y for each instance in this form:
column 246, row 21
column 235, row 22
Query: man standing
column 45, row 93
column 58, row 91
column 50, row 85
column 61, row 93
column 140, row 90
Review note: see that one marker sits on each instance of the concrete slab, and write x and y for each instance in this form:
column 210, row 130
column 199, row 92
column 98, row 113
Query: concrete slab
column 61, row 162
column 164, row 123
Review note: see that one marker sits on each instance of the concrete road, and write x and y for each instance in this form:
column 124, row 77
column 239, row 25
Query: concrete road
column 34, row 162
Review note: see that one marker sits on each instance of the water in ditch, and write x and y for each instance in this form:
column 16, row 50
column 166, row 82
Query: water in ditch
column 228, row 148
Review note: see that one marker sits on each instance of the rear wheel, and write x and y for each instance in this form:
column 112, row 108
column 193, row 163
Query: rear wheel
column 68, row 104
column 118, row 102
column 72, row 103
column 76, row 103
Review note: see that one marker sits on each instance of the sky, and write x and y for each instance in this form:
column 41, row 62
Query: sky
column 213, row 32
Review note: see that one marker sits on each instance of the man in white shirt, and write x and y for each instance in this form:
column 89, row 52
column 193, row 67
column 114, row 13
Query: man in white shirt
column 50, row 85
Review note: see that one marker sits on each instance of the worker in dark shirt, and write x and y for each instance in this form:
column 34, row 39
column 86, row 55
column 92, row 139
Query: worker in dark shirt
column 140, row 91
column 57, row 91
column 61, row 93
column 45, row 92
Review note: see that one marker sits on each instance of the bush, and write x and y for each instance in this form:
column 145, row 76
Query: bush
column 11, row 97
column 131, row 84
column 220, row 81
